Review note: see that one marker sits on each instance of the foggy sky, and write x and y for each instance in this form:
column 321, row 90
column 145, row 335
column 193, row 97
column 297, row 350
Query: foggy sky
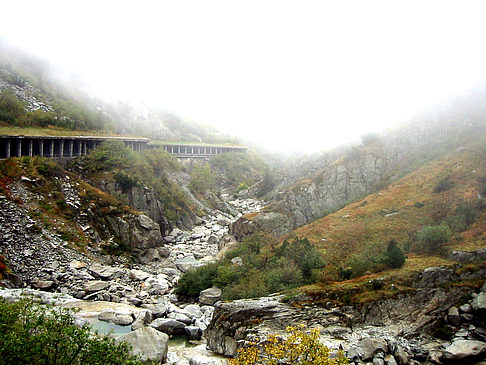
column 305, row 74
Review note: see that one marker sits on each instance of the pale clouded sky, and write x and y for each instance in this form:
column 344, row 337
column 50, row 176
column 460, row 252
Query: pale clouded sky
column 310, row 74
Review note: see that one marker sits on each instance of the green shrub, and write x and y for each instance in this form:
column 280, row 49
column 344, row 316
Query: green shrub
column 35, row 334
column 284, row 277
column 432, row 237
column 111, row 155
column 444, row 185
column 126, row 182
column 236, row 168
column 251, row 285
column 227, row 275
column 394, row 256
column 467, row 211
column 194, row 281
column 418, row 205
column 41, row 118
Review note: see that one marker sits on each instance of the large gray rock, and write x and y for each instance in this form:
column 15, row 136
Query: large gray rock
column 169, row 326
column 138, row 275
column 464, row 350
column 232, row 320
column 148, row 343
column 150, row 255
column 369, row 347
column 401, row 356
column 96, row 285
column 181, row 317
column 193, row 310
column 107, row 315
column 479, row 303
column 157, row 285
column 193, row 333
column 130, row 230
column 147, row 222
column 209, row 296
column 433, row 277
column 160, row 309
column 122, row 319
column 390, row 360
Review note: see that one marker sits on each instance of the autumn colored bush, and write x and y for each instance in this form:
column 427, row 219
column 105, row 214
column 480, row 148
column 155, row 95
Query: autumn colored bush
column 300, row 347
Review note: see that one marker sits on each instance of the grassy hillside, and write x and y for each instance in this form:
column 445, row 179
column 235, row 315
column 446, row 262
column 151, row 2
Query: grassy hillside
column 352, row 238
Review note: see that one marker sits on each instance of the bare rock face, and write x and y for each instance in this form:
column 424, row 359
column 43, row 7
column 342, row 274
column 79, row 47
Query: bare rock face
column 230, row 323
column 276, row 224
column 147, row 342
column 304, row 202
column 141, row 232
column 433, row 277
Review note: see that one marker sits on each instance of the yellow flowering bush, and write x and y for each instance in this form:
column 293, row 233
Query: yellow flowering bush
column 301, row 348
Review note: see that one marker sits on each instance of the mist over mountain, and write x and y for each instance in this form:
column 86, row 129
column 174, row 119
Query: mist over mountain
column 375, row 247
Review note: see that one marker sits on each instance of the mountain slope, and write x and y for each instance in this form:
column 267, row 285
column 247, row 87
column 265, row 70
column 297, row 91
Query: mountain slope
column 355, row 235
column 349, row 174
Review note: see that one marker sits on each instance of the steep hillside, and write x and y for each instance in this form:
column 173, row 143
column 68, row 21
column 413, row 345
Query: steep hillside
column 355, row 235
column 348, row 174
column 49, row 214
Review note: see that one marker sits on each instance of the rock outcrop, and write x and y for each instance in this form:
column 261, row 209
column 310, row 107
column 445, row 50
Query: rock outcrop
column 390, row 331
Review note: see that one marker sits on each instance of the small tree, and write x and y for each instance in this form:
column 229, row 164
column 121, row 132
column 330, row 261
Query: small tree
column 395, row 257
column 267, row 184
column 305, row 255
column 300, row 348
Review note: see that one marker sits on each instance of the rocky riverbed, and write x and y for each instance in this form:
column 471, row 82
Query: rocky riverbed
column 114, row 294
column 136, row 299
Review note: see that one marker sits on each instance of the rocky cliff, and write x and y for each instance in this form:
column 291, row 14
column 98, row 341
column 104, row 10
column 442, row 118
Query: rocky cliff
column 357, row 172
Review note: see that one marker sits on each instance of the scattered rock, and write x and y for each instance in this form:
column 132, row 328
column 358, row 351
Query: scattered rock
column 105, row 272
column 75, row 264
column 204, row 360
